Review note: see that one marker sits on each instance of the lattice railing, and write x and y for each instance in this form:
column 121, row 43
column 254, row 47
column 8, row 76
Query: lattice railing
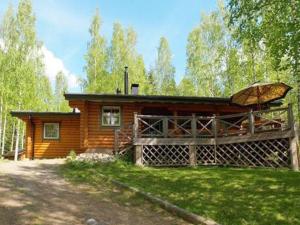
column 205, row 154
column 204, row 126
column 148, row 126
column 276, row 119
column 264, row 153
column 165, row 155
column 123, row 140
column 231, row 125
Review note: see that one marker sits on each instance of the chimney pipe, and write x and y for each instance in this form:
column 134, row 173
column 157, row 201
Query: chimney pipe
column 134, row 89
column 126, row 81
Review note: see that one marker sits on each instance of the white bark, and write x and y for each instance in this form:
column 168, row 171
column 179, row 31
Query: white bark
column 3, row 135
column 17, row 140
column 23, row 137
column 12, row 137
column 1, row 117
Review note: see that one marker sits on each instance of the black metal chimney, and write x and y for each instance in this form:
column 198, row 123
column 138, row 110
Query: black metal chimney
column 126, row 80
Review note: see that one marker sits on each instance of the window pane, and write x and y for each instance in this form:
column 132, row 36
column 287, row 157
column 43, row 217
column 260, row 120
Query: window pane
column 111, row 116
column 51, row 130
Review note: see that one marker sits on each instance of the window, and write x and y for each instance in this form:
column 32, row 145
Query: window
column 111, row 116
column 51, row 131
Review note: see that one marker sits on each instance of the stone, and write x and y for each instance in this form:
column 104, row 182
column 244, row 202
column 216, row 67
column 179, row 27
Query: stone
column 95, row 157
column 92, row 221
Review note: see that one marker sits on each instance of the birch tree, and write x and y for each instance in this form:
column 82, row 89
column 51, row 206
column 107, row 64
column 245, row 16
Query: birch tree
column 164, row 74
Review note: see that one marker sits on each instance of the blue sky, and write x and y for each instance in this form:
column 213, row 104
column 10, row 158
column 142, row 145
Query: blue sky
column 62, row 26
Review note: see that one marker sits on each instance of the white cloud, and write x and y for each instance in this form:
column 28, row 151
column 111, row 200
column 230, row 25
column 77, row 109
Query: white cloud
column 53, row 65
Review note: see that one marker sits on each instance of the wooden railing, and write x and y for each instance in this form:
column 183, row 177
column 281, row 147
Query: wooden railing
column 123, row 139
column 153, row 126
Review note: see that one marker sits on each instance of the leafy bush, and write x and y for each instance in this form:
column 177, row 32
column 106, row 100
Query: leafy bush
column 71, row 156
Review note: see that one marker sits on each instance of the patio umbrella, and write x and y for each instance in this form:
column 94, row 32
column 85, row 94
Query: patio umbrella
column 259, row 93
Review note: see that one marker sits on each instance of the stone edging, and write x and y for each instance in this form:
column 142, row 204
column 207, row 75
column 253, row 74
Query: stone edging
column 171, row 208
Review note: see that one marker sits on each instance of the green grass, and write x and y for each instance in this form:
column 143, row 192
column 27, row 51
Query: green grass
column 227, row 195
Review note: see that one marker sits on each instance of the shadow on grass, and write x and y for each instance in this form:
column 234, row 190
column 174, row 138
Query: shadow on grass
column 227, row 195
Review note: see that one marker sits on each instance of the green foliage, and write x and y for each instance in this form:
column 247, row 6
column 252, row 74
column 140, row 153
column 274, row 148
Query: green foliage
column 164, row 71
column 71, row 156
column 227, row 195
column 61, row 87
column 96, row 59
column 23, row 84
column 276, row 24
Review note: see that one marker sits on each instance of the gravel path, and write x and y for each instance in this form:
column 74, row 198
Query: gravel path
column 32, row 193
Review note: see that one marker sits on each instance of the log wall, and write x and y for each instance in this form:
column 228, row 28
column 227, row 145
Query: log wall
column 44, row 148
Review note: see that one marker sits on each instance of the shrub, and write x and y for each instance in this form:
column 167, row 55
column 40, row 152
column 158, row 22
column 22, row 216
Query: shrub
column 71, row 156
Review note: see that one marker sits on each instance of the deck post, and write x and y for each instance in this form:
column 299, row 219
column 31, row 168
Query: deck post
column 251, row 122
column 192, row 153
column 294, row 149
column 165, row 127
column 194, row 125
column 294, row 140
column 215, row 132
column 135, row 126
column 138, row 155
column 290, row 116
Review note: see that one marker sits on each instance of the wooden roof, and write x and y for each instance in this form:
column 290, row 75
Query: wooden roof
column 42, row 114
column 147, row 98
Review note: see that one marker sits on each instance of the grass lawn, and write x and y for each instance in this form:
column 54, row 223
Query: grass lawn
column 227, row 195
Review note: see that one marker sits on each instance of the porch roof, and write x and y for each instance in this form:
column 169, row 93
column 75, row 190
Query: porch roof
column 42, row 114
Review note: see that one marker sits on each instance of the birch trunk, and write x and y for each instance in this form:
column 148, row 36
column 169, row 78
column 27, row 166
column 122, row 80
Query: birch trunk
column 3, row 135
column 12, row 137
column 23, row 137
column 17, row 140
column 1, row 118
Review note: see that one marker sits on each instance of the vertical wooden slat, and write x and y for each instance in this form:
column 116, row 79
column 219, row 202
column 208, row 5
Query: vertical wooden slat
column 135, row 126
column 294, row 146
column 215, row 132
column 193, row 156
column 251, row 122
column 290, row 117
column 194, row 125
column 138, row 155
column 165, row 127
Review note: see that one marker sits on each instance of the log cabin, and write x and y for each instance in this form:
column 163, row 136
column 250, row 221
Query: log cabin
column 164, row 130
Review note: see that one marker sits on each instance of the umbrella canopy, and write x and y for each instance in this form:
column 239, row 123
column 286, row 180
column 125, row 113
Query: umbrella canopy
column 260, row 93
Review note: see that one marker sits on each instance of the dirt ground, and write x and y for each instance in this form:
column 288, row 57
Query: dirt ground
column 31, row 192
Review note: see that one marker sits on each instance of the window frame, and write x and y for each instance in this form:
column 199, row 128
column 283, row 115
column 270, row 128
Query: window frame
column 111, row 107
column 44, row 131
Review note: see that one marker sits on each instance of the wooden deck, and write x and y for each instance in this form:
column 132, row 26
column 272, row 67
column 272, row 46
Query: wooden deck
column 265, row 138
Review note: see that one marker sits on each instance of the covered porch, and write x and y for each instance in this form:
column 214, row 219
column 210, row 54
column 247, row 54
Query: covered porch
column 264, row 138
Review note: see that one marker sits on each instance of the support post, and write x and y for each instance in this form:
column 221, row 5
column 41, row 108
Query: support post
column 251, row 122
column 290, row 116
column 294, row 149
column 194, row 125
column 165, row 127
column 138, row 154
column 135, row 126
column 215, row 132
column 192, row 153
column 294, row 140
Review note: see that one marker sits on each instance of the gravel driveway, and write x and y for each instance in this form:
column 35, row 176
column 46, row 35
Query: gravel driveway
column 32, row 193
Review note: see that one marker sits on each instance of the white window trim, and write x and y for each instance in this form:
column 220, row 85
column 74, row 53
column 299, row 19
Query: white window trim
column 51, row 138
column 110, row 107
